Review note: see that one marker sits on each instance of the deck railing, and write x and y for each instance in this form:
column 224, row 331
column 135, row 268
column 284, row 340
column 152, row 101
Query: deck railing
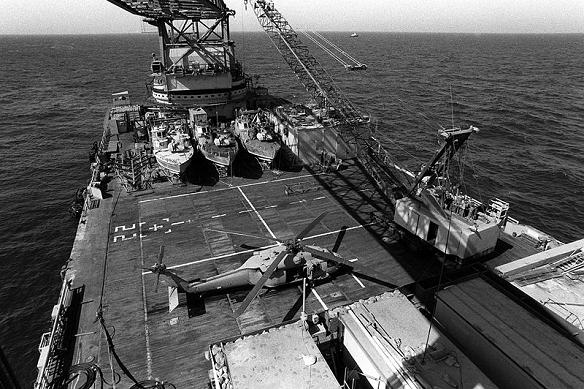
column 88, row 203
column 51, row 341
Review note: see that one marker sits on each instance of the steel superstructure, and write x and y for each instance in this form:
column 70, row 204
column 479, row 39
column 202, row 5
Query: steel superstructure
column 309, row 71
column 196, row 64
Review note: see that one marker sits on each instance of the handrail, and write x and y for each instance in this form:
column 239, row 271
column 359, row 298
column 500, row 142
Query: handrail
column 42, row 378
column 562, row 307
column 95, row 168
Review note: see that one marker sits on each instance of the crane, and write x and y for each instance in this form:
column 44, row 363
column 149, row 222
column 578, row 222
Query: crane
column 311, row 74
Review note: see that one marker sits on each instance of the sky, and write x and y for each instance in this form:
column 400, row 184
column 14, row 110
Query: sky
column 467, row 16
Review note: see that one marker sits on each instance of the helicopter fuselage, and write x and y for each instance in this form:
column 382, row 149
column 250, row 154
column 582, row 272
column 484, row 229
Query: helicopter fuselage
column 296, row 266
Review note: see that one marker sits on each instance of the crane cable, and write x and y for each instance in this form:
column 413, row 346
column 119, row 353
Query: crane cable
column 318, row 34
column 326, row 49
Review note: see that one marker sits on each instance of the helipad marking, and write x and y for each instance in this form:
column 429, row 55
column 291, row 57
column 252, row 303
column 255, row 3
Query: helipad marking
column 319, row 299
column 124, row 228
column 224, row 189
column 214, row 258
column 257, row 213
column 256, row 249
column 165, row 227
column 123, row 237
column 358, row 280
column 144, row 306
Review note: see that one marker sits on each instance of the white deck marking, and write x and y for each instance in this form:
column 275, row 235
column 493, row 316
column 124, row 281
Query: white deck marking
column 214, row 258
column 257, row 213
column 156, row 227
column 337, row 231
column 320, row 198
column 319, row 299
column 358, row 280
column 256, row 249
column 298, row 202
column 124, row 228
column 224, row 189
column 123, row 237
column 145, row 307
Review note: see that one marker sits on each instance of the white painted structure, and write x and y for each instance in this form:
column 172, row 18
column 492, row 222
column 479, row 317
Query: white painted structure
column 385, row 336
column 453, row 233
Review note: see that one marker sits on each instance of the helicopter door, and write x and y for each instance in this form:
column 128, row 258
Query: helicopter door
column 277, row 278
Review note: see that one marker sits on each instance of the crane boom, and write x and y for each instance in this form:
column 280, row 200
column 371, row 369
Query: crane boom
column 311, row 74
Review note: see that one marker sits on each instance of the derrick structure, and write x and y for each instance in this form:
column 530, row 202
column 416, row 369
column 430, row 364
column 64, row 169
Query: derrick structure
column 440, row 163
column 354, row 128
column 311, row 74
column 196, row 64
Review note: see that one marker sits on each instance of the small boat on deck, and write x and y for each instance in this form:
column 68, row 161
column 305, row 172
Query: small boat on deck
column 354, row 35
column 257, row 136
column 218, row 145
column 171, row 145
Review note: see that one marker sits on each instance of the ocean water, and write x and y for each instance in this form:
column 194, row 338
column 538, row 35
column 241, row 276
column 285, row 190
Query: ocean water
column 524, row 92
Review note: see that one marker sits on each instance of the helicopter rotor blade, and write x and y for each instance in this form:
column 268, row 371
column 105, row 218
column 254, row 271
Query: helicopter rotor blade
column 243, row 234
column 339, row 240
column 249, row 247
column 160, row 255
column 157, row 281
column 309, row 227
column 260, row 284
column 361, row 269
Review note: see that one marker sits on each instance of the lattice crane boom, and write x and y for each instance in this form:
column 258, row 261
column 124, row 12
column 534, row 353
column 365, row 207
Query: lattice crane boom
column 311, row 74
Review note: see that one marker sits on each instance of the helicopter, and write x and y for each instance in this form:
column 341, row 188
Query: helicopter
column 289, row 262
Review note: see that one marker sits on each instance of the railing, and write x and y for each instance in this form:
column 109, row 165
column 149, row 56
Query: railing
column 95, row 167
column 50, row 341
column 561, row 310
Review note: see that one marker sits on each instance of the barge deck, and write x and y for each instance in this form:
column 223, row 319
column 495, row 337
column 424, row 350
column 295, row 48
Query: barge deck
column 122, row 236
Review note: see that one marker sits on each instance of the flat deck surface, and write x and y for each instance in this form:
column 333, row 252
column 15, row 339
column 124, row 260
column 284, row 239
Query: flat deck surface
column 123, row 235
column 401, row 331
column 542, row 352
column 275, row 359
column 154, row 342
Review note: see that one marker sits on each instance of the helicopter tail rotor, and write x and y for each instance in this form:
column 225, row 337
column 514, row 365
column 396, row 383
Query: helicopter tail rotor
column 159, row 267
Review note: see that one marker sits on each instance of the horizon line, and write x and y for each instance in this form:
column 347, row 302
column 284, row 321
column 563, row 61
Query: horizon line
column 333, row 31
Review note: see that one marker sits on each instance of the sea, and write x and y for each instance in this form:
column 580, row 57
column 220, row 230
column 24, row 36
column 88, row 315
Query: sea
column 524, row 92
